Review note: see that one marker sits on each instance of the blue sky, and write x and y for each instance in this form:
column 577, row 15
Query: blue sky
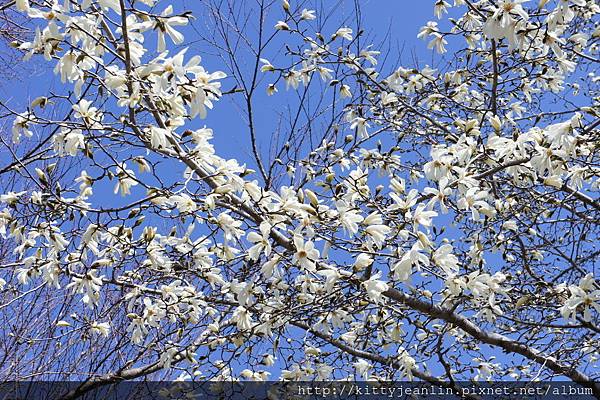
column 399, row 20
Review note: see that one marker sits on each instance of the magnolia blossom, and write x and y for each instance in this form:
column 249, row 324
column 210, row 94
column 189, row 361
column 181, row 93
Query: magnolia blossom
column 345, row 91
column 307, row 15
column 444, row 258
column 428, row 29
column 306, row 255
column 332, row 276
column 362, row 368
column 11, row 198
column 23, row 5
column 403, row 268
column 349, row 218
column 585, row 297
column 126, row 179
column 474, row 200
column 165, row 24
column 90, row 285
column 440, row 8
column 421, row 216
column 438, row 43
column 361, row 125
column 282, row 26
column 90, row 115
column 376, row 229
column 159, row 137
column 102, row 328
column 362, row 261
column 439, row 195
column 375, row 287
column 230, row 226
column 408, row 363
column 503, row 21
column 345, row 33
column 21, row 127
column 268, row 269
column 261, row 242
column 185, row 203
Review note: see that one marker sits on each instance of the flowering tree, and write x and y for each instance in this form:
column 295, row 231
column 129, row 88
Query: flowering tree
column 438, row 224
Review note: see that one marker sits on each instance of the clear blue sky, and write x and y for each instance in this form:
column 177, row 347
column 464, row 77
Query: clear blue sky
column 393, row 23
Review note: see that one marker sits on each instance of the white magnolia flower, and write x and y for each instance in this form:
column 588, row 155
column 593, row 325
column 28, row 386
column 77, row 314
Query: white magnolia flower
column 440, row 8
column 308, row 15
column 242, row 318
column 474, row 200
column 267, row 66
column 444, row 258
column 23, row 5
column 585, row 297
column 262, row 244
column 503, row 22
column 126, row 179
column 409, row 364
column 168, row 355
column 369, row 55
column 184, row 203
column 113, row 4
column 375, row 287
column 331, row 278
column 271, row 89
column 58, row 241
column 439, row 195
column 89, row 285
column 345, row 91
column 376, row 229
column 554, row 181
column 165, row 24
column 74, row 140
column 268, row 360
column 159, row 137
column 86, row 112
column 11, row 198
column 485, row 370
column 101, row 328
column 431, row 27
column 21, row 127
column 282, row 26
column 438, row 42
column 362, row 368
column 361, row 125
column 306, row 255
column 510, row 225
column 230, row 226
column 404, row 204
column 403, row 268
column 421, row 216
column 362, row 261
column 345, row 33
column 269, row 268
column 324, row 372
column 349, row 218
column 396, row 333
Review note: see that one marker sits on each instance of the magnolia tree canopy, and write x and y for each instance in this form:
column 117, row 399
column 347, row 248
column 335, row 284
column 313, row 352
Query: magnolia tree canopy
column 438, row 223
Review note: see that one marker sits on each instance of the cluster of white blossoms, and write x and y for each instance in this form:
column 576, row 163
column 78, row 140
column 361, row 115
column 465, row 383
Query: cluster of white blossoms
column 406, row 220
